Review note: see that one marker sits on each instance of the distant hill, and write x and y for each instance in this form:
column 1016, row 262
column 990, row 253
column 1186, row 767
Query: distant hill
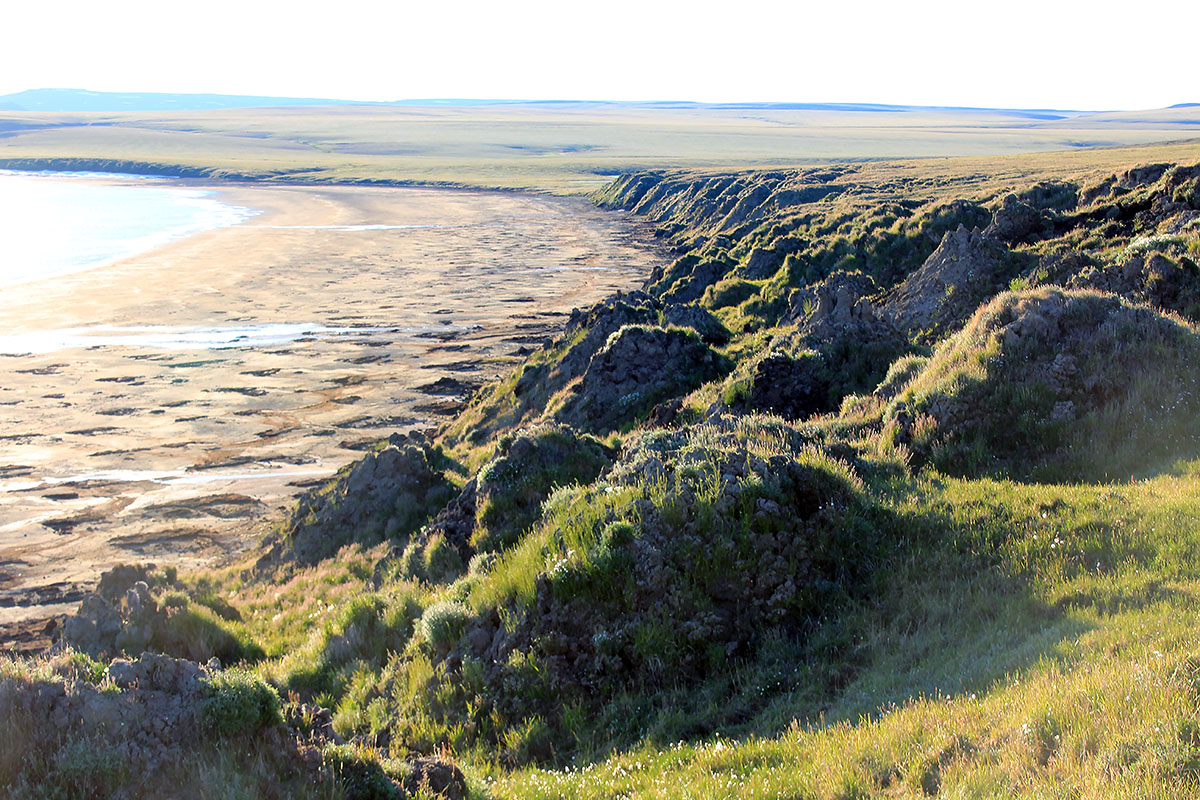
column 83, row 100
column 74, row 100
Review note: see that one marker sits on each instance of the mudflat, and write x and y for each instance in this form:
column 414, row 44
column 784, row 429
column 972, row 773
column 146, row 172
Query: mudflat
column 126, row 436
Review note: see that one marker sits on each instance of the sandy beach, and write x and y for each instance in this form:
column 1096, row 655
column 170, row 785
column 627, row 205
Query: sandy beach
column 123, row 439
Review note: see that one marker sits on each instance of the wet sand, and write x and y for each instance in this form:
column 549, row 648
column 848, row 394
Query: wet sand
column 183, row 455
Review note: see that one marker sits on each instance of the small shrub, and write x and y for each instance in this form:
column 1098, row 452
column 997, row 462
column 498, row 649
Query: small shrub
column 443, row 623
column 238, row 702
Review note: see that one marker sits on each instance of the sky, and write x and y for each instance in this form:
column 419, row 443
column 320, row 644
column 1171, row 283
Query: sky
column 1074, row 54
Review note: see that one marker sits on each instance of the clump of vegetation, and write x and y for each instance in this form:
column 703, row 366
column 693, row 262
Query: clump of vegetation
column 512, row 487
column 362, row 636
column 238, row 703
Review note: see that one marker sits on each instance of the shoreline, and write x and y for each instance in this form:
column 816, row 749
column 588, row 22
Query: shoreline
column 85, row 429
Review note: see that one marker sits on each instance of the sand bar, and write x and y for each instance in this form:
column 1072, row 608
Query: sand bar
column 167, row 407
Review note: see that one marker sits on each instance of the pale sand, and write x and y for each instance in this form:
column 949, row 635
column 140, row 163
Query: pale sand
column 257, row 425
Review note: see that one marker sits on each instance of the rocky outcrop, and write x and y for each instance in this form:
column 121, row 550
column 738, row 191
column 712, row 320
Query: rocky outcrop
column 130, row 613
column 1122, row 183
column 134, row 727
column 1170, row 284
column 149, row 715
column 967, row 268
column 638, row 367
column 1015, row 222
column 841, row 306
column 700, row 208
column 388, row 494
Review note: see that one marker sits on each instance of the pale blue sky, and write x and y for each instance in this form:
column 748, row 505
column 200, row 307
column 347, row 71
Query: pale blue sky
column 1021, row 53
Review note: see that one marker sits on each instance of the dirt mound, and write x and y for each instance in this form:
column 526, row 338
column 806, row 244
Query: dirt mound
column 588, row 332
column 387, row 494
column 511, row 488
column 126, row 617
column 144, row 727
column 1054, row 384
column 790, row 387
column 503, row 499
column 967, row 268
column 841, row 306
column 639, row 367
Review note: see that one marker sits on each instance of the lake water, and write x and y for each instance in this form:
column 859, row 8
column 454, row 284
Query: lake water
column 52, row 225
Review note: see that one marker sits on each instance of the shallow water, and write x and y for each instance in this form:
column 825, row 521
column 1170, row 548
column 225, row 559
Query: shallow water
column 52, row 225
column 168, row 337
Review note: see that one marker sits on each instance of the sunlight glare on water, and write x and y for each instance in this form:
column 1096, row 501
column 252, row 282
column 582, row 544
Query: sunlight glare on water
column 53, row 225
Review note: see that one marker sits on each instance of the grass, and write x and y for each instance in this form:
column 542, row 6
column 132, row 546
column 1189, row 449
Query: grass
column 1066, row 667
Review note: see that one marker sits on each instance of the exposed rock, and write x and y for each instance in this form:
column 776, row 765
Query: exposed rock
column 841, row 306
column 138, row 622
column 120, row 579
column 436, row 776
column 1015, row 222
column 94, row 628
column 501, row 501
column 665, row 414
column 1128, row 180
column 763, row 262
column 841, row 344
column 597, row 324
column 152, row 715
column 1152, row 278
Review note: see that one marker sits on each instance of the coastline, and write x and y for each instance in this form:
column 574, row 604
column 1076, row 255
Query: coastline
column 181, row 455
